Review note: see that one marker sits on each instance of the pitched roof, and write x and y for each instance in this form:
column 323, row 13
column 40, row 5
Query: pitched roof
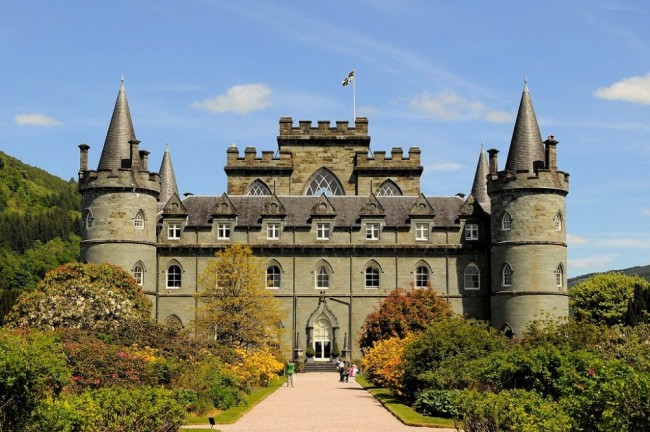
column 120, row 132
column 479, row 188
column 168, row 185
column 526, row 145
column 299, row 210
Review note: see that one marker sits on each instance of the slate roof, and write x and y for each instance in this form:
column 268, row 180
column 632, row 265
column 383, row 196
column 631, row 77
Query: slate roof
column 249, row 210
column 120, row 132
column 168, row 186
column 479, row 187
column 526, row 145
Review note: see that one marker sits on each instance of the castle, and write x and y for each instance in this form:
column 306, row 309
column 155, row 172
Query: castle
column 338, row 227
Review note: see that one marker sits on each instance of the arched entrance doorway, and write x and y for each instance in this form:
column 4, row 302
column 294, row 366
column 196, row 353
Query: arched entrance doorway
column 323, row 339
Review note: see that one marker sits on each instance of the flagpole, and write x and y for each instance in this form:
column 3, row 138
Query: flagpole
column 354, row 97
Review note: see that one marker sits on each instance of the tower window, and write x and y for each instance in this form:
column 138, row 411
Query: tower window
column 389, row 188
column 223, row 231
column 257, row 188
column 273, row 277
column 322, row 231
column 322, row 278
column 471, row 231
column 174, row 277
column 506, row 279
column 559, row 276
column 372, row 277
column 421, row 277
column 421, row 231
column 372, row 231
column 174, row 231
column 557, row 221
column 90, row 220
column 506, row 222
column 138, row 274
column 472, row 277
column 324, row 182
column 138, row 221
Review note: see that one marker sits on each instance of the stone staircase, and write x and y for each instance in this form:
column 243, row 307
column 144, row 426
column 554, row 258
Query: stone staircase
column 319, row 367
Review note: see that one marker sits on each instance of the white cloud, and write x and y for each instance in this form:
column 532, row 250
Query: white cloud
column 451, row 106
column 593, row 263
column 634, row 89
column 573, row 240
column 36, row 120
column 645, row 212
column 239, row 99
column 445, row 166
column 628, row 243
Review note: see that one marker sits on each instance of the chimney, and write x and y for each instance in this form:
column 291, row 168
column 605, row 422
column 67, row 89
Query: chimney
column 494, row 167
column 135, row 150
column 83, row 157
column 550, row 146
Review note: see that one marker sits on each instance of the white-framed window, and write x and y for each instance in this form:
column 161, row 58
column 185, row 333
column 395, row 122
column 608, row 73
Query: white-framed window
column 557, row 222
column 174, row 275
column 421, row 276
column 421, row 231
column 506, row 276
column 472, row 277
column 273, row 231
column 138, row 274
column 372, row 277
column 174, row 231
column 471, row 231
column 322, row 278
column 90, row 220
column 138, row 221
column 506, row 222
column 273, row 277
column 372, row 231
column 223, row 231
column 559, row 276
column 322, row 231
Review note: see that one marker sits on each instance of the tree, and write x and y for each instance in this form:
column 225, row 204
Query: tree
column 235, row 306
column 84, row 296
column 604, row 298
column 402, row 312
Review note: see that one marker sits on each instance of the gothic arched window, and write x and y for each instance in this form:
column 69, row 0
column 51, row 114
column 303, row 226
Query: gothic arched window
column 372, row 277
column 258, row 187
column 322, row 278
column 559, row 276
column 506, row 275
column 324, row 182
column 174, row 273
column 421, row 276
column 273, row 277
column 138, row 273
column 557, row 221
column 472, row 277
column 138, row 221
column 506, row 222
column 90, row 219
column 389, row 188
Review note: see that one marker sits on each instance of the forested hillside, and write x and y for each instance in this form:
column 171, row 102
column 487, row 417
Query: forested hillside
column 643, row 271
column 39, row 226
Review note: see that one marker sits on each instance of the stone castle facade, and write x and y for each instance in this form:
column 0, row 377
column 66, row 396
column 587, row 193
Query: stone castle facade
column 338, row 227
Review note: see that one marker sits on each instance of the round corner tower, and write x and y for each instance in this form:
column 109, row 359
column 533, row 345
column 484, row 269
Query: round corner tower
column 528, row 240
column 119, row 202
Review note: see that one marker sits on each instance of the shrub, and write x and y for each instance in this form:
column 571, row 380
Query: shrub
column 257, row 367
column 437, row 403
column 383, row 364
column 214, row 384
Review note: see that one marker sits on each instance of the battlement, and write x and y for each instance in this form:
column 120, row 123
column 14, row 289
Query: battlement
column 323, row 129
column 138, row 181
column 250, row 160
column 543, row 178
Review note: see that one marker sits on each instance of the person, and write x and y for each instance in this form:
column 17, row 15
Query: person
column 290, row 371
column 340, row 368
column 346, row 372
column 353, row 371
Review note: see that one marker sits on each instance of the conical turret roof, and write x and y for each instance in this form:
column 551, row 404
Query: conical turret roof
column 120, row 132
column 479, row 188
column 168, row 186
column 526, row 146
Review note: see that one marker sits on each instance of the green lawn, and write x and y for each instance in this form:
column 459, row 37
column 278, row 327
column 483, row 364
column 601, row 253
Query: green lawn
column 404, row 413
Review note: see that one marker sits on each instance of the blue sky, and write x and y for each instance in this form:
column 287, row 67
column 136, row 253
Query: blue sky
column 444, row 76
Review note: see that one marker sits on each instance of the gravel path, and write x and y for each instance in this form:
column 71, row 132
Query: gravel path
column 319, row 402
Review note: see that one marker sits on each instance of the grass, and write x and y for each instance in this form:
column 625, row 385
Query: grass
column 404, row 413
column 232, row 414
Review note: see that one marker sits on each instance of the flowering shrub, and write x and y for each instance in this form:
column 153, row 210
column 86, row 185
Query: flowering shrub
column 214, row 384
column 383, row 363
column 257, row 366
column 83, row 296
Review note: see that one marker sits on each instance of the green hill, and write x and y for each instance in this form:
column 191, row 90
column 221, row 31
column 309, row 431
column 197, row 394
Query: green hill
column 39, row 226
column 643, row 271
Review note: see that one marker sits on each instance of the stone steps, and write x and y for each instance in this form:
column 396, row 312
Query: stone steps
column 319, row 367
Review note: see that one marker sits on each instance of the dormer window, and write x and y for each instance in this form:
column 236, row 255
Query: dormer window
column 421, row 231
column 322, row 231
column 174, row 231
column 471, row 231
column 273, row 231
column 223, row 231
column 372, row 231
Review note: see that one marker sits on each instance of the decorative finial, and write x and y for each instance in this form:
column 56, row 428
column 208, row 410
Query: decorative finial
column 166, row 146
column 525, row 84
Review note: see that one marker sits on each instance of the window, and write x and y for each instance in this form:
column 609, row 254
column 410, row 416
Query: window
column 322, row 278
column 372, row 231
column 372, row 277
column 421, row 277
column 472, row 277
column 324, row 182
column 273, row 231
column 90, row 220
column 323, row 231
column 138, row 221
column 174, row 231
column 258, row 187
column 558, row 222
column 471, row 231
column 138, row 274
column 421, row 231
column 173, row 277
column 223, row 231
column 506, row 222
column 559, row 276
column 389, row 188
column 273, row 277
column 506, row 279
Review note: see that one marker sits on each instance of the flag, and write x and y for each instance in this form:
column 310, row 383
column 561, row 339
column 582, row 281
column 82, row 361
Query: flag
column 348, row 79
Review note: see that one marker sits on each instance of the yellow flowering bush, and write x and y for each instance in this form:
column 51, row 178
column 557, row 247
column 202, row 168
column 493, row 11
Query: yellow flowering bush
column 256, row 367
column 383, row 363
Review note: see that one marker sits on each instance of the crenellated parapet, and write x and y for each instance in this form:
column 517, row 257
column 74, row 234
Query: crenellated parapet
column 323, row 133
column 397, row 161
column 251, row 162
column 125, row 179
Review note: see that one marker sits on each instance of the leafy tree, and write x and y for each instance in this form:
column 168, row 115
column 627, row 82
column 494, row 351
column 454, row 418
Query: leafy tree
column 84, row 296
column 235, row 306
column 401, row 312
column 604, row 298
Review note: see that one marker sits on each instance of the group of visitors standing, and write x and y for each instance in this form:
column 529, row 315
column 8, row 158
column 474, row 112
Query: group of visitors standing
column 346, row 371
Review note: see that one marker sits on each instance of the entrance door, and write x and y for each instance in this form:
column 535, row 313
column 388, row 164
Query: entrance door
column 322, row 340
